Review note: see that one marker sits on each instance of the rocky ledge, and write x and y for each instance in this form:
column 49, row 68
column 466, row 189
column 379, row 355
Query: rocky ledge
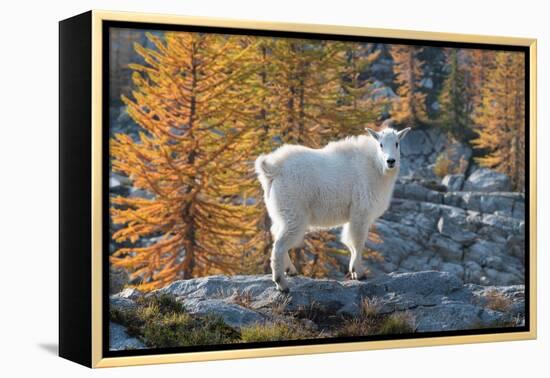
column 428, row 300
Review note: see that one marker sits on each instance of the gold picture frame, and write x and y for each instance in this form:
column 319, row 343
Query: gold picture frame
column 92, row 24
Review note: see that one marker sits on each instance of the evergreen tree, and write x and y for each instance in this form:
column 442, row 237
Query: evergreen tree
column 410, row 108
column 198, row 122
column 454, row 101
column 434, row 66
column 500, row 120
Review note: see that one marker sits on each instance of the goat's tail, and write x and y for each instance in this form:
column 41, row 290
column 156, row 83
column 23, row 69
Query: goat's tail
column 266, row 173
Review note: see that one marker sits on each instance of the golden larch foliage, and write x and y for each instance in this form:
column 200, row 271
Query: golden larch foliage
column 302, row 94
column 358, row 105
column 195, row 109
column 409, row 108
column 500, row 118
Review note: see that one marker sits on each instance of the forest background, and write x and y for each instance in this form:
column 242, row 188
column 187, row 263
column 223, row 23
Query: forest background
column 190, row 112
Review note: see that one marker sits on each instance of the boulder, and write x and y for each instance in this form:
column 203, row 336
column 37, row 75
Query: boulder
column 446, row 247
column 417, row 142
column 434, row 301
column 118, row 279
column 233, row 314
column 453, row 268
column 496, row 203
column 120, row 340
column 453, row 183
column 447, row 226
column 519, row 209
column 459, row 154
column 484, row 252
column 487, row 180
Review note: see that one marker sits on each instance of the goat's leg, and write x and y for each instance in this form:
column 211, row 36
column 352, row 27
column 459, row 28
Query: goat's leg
column 288, row 238
column 290, row 269
column 354, row 236
column 346, row 239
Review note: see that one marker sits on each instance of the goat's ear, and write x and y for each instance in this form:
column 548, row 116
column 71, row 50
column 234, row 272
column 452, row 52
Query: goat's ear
column 373, row 133
column 401, row 134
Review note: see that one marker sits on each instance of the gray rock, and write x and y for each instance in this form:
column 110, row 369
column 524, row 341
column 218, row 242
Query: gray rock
column 447, row 226
column 435, row 262
column 487, row 180
column 511, row 294
column 501, row 224
column 464, row 200
column 129, row 293
column 233, row 314
column 446, row 247
column 456, row 269
column 472, row 272
column 116, row 180
column 484, row 252
column 417, row 142
column 453, row 182
column 434, row 300
column 121, row 303
column 519, row 209
column 460, row 155
column 118, row 279
column 454, row 316
column 515, row 245
column 412, row 191
column 493, row 203
column 120, row 340
column 415, row 263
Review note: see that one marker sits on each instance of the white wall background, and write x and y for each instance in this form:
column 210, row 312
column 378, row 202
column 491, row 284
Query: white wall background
column 29, row 189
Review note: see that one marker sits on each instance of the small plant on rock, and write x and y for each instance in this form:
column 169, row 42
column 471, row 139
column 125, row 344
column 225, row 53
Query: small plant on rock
column 371, row 322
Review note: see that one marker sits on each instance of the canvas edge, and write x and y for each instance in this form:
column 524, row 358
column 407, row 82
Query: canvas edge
column 98, row 16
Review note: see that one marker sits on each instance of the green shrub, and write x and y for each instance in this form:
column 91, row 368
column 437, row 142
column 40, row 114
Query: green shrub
column 161, row 321
column 395, row 324
column 274, row 332
column 371, row 322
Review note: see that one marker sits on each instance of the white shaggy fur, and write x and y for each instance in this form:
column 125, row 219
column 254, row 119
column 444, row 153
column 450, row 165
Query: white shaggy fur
column 348, row 182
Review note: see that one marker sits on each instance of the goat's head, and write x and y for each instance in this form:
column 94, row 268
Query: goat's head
column 389, row 142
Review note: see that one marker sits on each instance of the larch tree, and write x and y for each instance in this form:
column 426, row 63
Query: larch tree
column 480, row 63
column 500, row 120
column 197, row 116
column 303, row 88
column 268, row 139
column 409, row 109
column 358, row 105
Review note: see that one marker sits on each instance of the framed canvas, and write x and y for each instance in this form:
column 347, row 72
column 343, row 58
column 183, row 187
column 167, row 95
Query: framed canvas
column 235, row 189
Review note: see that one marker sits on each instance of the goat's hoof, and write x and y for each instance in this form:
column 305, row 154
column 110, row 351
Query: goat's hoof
column 291, row 272
column 355, row 276
column 283, row 290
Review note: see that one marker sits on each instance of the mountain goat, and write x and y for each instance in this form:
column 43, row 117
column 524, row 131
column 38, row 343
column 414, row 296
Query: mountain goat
column 348, row 182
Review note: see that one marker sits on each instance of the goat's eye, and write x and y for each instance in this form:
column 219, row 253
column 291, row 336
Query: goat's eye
column 381, row 146
column 396, row 145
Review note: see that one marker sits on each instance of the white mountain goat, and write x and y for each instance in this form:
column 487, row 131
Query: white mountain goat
column 348, row 182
